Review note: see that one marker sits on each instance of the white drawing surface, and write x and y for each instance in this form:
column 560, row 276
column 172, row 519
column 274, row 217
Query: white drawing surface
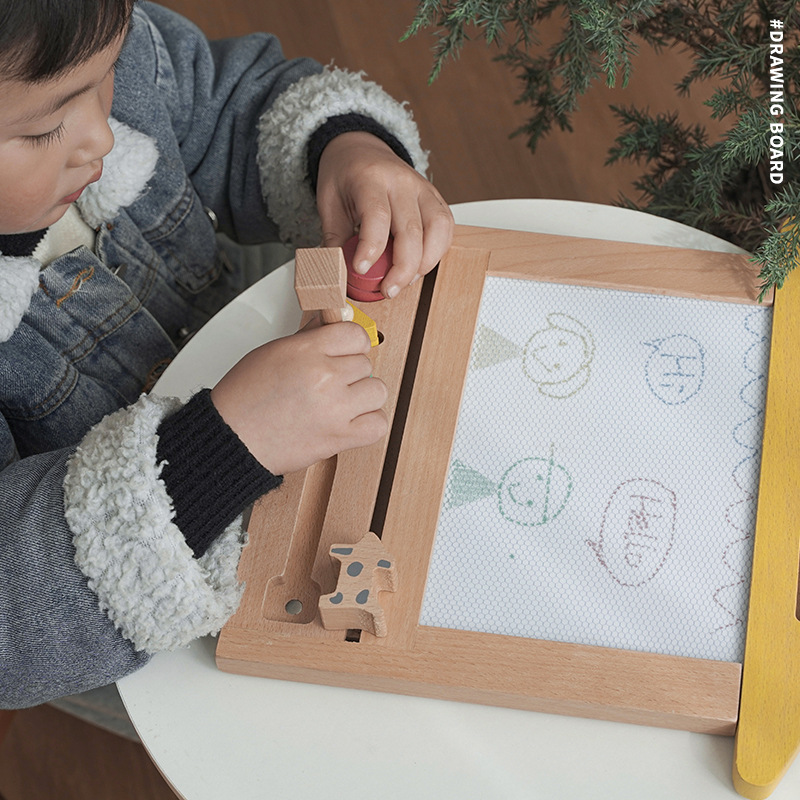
column 602, row 484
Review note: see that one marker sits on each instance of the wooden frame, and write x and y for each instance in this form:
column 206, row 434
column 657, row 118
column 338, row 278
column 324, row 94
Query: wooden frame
column 293, row 529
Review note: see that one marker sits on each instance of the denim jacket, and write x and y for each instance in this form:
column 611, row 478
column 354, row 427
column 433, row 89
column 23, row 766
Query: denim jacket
column 94, row 574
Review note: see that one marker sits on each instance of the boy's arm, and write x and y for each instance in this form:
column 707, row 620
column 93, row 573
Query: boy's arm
column 253, row 127
column 54, row 638
column 95, row 574
column 243, row 116
column 129, row 544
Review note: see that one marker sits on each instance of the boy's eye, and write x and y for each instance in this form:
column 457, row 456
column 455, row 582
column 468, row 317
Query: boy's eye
column 45, row 139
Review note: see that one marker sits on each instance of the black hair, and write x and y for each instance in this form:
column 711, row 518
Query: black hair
column 40, row 39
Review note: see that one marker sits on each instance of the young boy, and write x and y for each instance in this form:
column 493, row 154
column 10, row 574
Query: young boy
column 126, row 141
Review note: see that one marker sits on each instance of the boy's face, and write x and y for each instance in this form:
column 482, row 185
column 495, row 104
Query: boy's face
column 53, row 138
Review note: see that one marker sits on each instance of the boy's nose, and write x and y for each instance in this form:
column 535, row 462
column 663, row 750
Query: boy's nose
column 95, row 138
column 104, row 139
column 97, row 141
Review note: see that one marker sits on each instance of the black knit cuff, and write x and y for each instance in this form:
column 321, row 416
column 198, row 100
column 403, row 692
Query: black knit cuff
column 346, row 123
column 209, row 473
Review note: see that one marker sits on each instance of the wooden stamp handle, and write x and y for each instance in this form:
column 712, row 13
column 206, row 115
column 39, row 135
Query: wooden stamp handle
column 320, row 281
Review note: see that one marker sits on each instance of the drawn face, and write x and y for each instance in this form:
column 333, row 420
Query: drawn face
column 534, row 491
column 558, row 357
column 554, row 355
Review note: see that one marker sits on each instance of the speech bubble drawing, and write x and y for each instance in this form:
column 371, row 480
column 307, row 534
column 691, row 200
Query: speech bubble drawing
column 534, row 491
column 675, row 369
column 637, row 531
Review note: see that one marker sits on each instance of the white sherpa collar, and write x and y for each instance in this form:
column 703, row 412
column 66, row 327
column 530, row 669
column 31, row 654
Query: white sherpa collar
column 19, row 279
column 126, row 171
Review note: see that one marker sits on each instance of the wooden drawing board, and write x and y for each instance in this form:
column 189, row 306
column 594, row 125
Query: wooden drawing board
column 395, row 488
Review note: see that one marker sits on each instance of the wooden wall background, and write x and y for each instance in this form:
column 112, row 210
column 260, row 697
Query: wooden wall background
column 465, row 119
column 467, row 114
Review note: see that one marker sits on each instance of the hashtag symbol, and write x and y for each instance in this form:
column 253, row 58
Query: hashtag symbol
column 776, row 23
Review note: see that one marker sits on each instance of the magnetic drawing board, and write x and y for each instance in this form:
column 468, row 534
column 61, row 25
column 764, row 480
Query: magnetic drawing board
column 402, row 487
column 603, row 479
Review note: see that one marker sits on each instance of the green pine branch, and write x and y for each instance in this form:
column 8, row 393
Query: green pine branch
column 720, row 186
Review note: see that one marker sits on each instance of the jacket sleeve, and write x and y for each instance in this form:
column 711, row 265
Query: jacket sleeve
column 54, row 639
column 94, row 573
column 244, row 116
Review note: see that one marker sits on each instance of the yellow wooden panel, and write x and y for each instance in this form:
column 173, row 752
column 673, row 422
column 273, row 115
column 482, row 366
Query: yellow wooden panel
column 768, row 734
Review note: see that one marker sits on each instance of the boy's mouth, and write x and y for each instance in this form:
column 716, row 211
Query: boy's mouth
column 71, row 198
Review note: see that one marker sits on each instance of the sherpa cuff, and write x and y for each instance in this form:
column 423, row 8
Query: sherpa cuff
column 208, row 471
column 286, row 128
column 134, row 556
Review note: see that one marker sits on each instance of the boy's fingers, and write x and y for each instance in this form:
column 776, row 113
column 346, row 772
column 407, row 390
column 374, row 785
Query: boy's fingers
column 337, row 228
column 353, row 368
column 407, row 252
column 341, row 339
column 373, row 235
column 420, row 246
column 439, row 226
column 408, row 230
column 366, row 429
column 368, row 394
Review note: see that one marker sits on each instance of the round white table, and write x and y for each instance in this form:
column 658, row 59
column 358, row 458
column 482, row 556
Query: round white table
column 217, row 736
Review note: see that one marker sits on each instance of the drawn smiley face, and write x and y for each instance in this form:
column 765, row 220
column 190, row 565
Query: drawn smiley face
column 534, row 491
column 557, row 358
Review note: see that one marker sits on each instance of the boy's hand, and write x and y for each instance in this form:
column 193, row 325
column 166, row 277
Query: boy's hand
column 363, row 185
column 298, row 400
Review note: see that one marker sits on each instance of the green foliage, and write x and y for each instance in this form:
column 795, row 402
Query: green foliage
column 721, row 186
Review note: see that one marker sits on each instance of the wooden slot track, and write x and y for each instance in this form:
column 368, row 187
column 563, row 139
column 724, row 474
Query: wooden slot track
column 292, row 529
